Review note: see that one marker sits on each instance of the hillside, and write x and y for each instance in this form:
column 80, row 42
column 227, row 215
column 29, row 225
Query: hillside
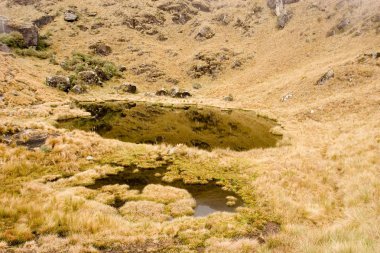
column 316, row 76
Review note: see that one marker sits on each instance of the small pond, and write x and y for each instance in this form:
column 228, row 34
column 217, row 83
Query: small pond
column 209, row 198
column 202, row 127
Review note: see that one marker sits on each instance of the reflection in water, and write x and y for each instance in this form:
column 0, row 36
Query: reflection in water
column 209, row 198
column 202, row 127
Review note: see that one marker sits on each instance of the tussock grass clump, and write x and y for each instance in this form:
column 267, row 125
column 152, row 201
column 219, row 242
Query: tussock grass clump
column 13, row 40
column 16, row 41
column 82, row 62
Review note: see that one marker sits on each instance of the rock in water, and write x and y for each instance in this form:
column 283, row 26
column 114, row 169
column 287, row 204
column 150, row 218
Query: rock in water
column 61, row 82
column 327, row 76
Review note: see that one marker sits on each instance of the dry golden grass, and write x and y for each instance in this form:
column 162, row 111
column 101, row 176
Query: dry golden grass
column 321, row 184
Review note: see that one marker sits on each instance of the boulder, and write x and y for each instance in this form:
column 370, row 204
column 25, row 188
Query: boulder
column 128, row 87
column 4, row 48
column 78, row 89
column 162, row 92
column 205, row 32
column 283, row 19
column 101, row 49
column 61, row 82
column 228, row 98
column 176, row 93
column 89, row 77
column 327, row 76
column 28, row 31
column 70, row 16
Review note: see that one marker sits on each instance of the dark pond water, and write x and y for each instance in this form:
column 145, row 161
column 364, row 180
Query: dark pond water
column 203, row 127
column 209, row 198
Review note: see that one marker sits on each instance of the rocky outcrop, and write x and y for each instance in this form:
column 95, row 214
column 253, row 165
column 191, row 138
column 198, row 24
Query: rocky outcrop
column 209, row 63
column 61, row 82
column 180, row 10
column 28, row 31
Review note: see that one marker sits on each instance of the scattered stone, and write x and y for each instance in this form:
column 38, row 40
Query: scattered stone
column 92, row 14
column 70, row 16
column 272, row 3
column 286, row 97
column 78, row 89
column 101, row 49
column 89, row 77
column 236, row 64
column 176, row 93
column 122, row 68
column 97, row 25
column 89, row 158
column 82, row 28
column 128, row 87
column 205, row 32
column 202, row 6
column 61, row 82
column 43, row 21
column 4, row 48
column 341, row 27
column 283, row 19
column 228, row 98
column 197, row 86
column 162, row 92
column 327, row 76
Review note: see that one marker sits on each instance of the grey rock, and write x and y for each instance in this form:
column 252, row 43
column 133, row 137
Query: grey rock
column 205, row 32
column 4, row 48
column 28, row 31
column 78, row 89
column 61, row 82
column 197, row 86
column 272, row 3
column 89, row 77
column 101, row 49
column 283, row 19
column 162, row 92
column 228, row 98
column 70, row 16
column 202, row 6
column 128, row 87
column 327, row 76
